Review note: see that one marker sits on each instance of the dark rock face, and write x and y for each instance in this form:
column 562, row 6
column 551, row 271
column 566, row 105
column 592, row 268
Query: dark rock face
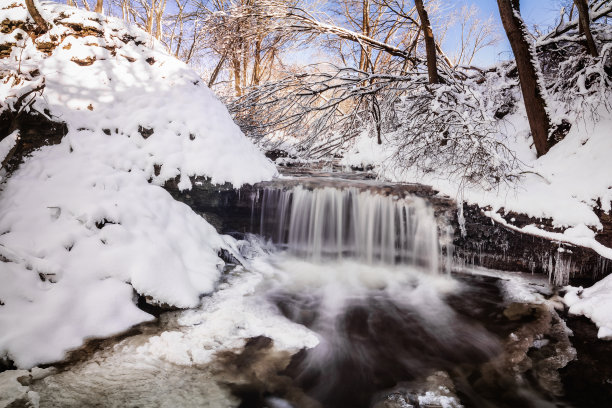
column 492, row 245
column 226, row 208
column 604, row 237
column 35, row 131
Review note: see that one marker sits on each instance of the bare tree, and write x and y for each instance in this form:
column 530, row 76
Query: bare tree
column 475, row 34
column 99, row 6
column 245, row 39
column 38, row 19
column 585, row 24
column 529, row 76
column 600, row 9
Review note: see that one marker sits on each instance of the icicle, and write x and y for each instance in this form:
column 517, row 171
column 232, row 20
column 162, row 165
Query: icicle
column 461, row 218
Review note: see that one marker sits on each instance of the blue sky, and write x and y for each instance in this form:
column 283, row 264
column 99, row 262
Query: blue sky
column 542, row 13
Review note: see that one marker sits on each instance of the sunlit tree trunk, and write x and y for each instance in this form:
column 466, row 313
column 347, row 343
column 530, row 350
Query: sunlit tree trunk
column 257, row 61
column 215, row 73
column 38, row 19
column 159, row 9
column 529, row 74
column 430, row 44
column 237, row 76
column 149, row 23
column 365, row 54
column 585, row 25
column 245, row 64
column 99, row 6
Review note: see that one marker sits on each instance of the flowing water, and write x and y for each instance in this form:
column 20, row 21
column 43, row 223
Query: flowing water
column 331, row 223
column 363, row 271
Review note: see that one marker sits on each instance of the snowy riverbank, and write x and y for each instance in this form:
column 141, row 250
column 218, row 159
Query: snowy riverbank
column 85, row 223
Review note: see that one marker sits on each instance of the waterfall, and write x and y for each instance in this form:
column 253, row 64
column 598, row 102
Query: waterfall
column 327, row 223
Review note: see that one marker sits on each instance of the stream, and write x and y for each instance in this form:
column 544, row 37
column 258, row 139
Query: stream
column 342, row 292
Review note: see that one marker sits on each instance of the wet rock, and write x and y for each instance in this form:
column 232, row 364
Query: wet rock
column 587, row 380
column 226, row 208
column 395, row 400
column 516, row 311
column 145, row 132
column 276, row 154
column 538, row 348
column 256, row 372
column 153, row 307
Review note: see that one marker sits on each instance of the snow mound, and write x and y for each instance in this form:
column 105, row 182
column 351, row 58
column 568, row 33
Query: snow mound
column 82, row 220
column 595, row 303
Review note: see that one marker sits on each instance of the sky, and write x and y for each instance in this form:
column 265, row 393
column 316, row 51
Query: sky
column 543, row 13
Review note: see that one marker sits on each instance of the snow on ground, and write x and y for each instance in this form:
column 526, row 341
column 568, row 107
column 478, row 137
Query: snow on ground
column 7, row 144
column 85, row 221
column 11, row 389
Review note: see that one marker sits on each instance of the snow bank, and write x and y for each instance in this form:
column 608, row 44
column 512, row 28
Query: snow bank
column 595, row 303
column 82, row 220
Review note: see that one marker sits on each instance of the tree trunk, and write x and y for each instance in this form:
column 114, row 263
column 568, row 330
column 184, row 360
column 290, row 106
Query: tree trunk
column 529, row 75
column 430, row 44
column 40, row 22
column 99, row 6
column 245, row 63
column 158, row 25
column 237, row 76
column 585, row 25
column 149, row 22
column 366, row 51
column 215, row 73
column 257, row 61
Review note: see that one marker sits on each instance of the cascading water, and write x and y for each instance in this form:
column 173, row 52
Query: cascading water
column 327, row 223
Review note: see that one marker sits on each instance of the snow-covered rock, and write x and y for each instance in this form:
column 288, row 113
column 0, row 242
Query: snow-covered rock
column 85, row 221
column 595, row 303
